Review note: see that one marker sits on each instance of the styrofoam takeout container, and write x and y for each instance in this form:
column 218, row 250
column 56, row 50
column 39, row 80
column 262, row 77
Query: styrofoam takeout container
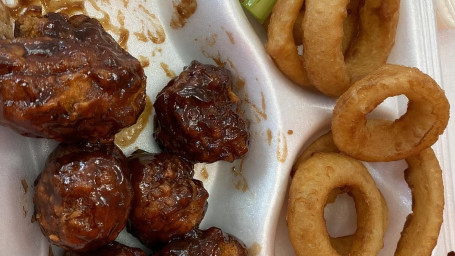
column 247, row 197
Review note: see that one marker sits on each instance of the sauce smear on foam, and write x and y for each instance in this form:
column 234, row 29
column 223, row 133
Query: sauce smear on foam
column 64, row 6
column 71, row 7
column 183, row 9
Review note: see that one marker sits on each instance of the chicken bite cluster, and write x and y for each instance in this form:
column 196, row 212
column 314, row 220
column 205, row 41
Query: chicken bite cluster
column 65, row 78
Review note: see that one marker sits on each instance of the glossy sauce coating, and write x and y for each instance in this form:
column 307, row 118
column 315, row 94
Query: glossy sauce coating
column 198, row 117
column 210, row 242
column 167, row 202
column 82, row 197
column 67, row 79
column 111, row 249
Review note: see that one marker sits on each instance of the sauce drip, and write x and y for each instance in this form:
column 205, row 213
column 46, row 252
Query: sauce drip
column 264, row 105
column 239, row 84
column 20, row 7
column 141, row 36
column 156, row 51
column 269, row 136
column 73, row 7
column 282, row 148
column 24, row 185
column 255, row 249
column 51, row 253
column 63, row 6
column 202, row 174
column 230, row 36
column 145, row 62
column 158, row 35
column 24, row 212
column 211, row 40
column 218, row 60
column 240, row 181
column 167, row 70
column 260, row 112
column 183, row 9
column 130, row 134
column 67, row 7
column 122, row 33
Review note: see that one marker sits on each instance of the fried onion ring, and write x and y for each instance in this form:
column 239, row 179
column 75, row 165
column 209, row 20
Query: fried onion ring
column 424, row 177
column 281, row 46
column 384, row 140
column 343, row 244
column 350, row 25
column 322, row 144
column 297, row 31
column 327, row 68
column 325, row 144
column 285, row 32
column 314, row 180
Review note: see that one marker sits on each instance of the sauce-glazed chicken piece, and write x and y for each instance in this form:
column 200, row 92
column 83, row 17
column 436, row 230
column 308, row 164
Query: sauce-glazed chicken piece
column 167, row 201
column 111, row 249
column 83, row 197
column 210, row 242
column 198, row 116
column 65, row 78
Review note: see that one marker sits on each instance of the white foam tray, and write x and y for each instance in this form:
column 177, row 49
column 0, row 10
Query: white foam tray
column 248, row 202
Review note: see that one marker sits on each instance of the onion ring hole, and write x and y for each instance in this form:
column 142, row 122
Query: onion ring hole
column 340, row 216
column 391, row 108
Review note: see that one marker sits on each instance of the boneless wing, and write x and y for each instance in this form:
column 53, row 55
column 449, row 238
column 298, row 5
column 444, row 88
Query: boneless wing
column 65, row 78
